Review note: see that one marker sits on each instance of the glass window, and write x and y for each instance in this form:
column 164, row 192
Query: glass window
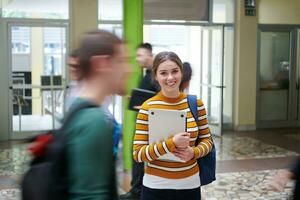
column 20, row 40
column 223, row 11
column 115, row 102
column 275, row 62
column 185, row 10
column 113, row 28
column 110, row 10
column 54, row 50
column 228, row 77
column 54, row 9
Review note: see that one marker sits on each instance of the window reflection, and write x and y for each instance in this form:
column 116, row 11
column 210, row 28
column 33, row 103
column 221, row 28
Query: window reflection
column 54, row 9
column 54, row 50
column 223, row 11
column 110, row 9
column 20, row 40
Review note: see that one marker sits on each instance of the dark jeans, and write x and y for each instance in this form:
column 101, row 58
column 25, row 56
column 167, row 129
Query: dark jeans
column 166, row 194
column 137, row 177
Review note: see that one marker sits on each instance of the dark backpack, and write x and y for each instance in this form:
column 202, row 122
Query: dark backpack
column 46, row 178
column 207, row 164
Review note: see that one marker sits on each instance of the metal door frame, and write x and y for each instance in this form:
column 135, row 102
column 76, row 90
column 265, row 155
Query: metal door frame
column 292, row 96
column 30, row 23
column 297, row 64
column 219, row 128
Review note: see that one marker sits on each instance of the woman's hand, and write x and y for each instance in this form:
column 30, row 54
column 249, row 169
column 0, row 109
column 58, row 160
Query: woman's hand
column 185, row 154
column 182, row 140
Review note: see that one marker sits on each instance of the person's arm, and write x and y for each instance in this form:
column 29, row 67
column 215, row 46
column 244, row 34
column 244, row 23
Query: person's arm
column 205, row 141
column 283, row 176
column 90, row 159
column 145, row 152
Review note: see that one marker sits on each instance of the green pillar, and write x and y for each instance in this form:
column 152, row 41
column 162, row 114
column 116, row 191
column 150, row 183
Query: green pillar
column 133, row 35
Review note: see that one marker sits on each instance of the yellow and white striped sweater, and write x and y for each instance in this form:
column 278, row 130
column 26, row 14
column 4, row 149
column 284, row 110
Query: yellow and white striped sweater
column 145, row 152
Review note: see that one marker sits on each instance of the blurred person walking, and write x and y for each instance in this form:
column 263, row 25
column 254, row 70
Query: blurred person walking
column 103, row 71
column 284, row 176
column 74, row 75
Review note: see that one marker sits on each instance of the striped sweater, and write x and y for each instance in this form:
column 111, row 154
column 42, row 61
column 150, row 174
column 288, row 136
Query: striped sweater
column 145, row 152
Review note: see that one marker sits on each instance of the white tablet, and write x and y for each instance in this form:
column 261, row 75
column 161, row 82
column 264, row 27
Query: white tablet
column 163, row 124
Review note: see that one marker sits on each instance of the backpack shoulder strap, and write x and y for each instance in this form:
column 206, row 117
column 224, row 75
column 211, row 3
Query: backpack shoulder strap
column 70, row 115
column 192, row 102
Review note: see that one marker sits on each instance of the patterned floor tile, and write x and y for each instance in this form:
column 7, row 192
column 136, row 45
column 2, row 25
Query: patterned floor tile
column 245, row 185
column 241, row 148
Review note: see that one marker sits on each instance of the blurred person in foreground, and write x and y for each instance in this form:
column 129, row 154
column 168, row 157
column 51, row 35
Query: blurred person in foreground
column 103, row 71
column 74, row 75
column 283, row 176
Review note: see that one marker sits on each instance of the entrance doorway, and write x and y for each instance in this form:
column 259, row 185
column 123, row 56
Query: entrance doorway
column 37, row 77
column 278, row 79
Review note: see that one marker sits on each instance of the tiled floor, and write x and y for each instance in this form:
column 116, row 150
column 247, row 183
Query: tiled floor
column 246, row 185
column 246, row 162
column 243, row 147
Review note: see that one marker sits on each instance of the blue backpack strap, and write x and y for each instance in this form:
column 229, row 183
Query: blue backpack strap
column 207, row 164
column 192, row 102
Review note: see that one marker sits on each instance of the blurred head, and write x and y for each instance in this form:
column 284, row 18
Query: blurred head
column 167, row 70
column 103, row 59
column 186, row 76
column 73, row 65
column 144, row 55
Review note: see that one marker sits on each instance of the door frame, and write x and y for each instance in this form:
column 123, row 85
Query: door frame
column 298, row 70
column 9, row 23
column 216, row 130
column 293, row 93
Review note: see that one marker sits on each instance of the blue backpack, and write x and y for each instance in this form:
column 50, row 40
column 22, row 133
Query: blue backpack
column 116, row 136
column 207, row 164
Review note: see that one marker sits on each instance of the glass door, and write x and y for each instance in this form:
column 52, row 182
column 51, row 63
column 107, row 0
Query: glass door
column 37, row 77
column 211, row 80
column 277, row 85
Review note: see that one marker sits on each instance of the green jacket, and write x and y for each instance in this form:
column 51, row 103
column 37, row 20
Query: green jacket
column 91, row 166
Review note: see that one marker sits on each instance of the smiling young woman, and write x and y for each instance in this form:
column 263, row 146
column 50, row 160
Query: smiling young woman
column 165, row 179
